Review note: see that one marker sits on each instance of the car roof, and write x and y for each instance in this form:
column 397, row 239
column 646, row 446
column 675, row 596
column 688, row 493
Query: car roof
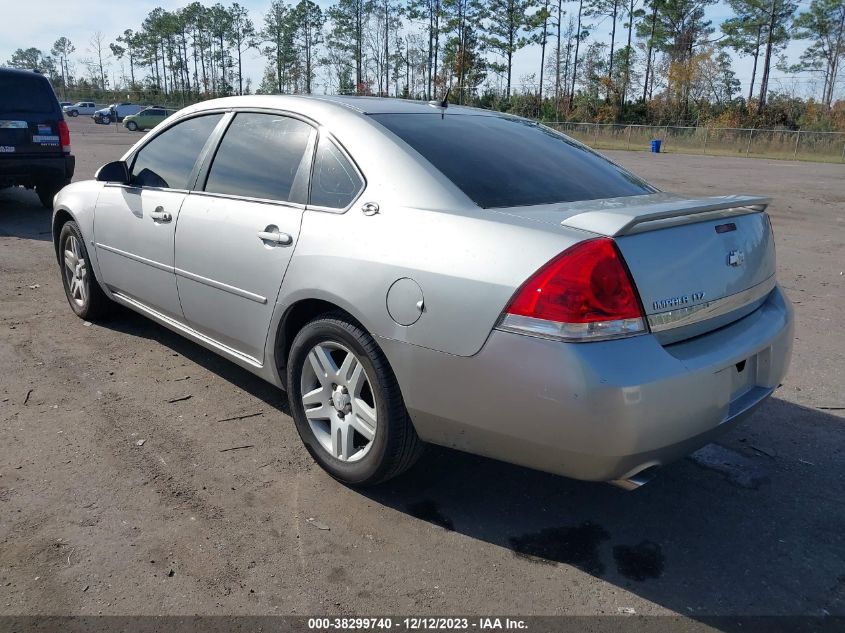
column 358, row 105
column 19, row 71
column 383, row 105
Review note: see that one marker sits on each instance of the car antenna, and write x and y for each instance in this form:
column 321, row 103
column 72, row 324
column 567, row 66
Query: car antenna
column 444, row 103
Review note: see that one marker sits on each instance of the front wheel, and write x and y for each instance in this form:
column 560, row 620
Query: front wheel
column 74, row 113
column 132, row 126
column 347, row 405
column 82, row 289
column 105, row 120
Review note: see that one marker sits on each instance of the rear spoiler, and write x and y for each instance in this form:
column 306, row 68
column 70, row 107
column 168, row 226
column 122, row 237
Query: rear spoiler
column 639, row 218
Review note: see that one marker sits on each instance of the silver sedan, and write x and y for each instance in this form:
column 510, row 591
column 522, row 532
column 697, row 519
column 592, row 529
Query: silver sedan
column 412, row 273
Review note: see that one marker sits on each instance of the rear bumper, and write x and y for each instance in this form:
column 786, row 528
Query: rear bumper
column 596, row 411
column 31, row 170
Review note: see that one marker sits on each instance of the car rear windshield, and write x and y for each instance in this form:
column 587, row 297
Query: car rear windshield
column 20, row 93
column 501, row 161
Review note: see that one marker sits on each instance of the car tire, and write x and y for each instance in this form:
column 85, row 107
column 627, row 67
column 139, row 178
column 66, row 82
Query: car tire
column 132, row 126
column 366, row 390
column 47, row 191
column 83, row 291
column 74, row 113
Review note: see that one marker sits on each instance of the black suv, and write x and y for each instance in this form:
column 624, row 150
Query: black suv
column 34, row 137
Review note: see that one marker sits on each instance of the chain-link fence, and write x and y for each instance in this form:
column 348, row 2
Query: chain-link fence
column 828, row 147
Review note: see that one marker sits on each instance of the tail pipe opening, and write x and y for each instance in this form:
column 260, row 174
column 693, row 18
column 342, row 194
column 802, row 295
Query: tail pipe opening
column 638, row 480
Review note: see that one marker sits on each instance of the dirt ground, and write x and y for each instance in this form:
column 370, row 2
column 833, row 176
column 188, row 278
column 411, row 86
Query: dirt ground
column 92, row 522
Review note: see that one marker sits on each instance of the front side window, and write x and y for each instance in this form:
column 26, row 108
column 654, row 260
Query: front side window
column 262, row 156
column 500, row 161
column 168, row 159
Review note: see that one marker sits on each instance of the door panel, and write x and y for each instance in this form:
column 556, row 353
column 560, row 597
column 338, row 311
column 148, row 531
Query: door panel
column 134, row 244
column 134, row 226
column 229, row 277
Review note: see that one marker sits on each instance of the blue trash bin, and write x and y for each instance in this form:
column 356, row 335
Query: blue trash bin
column 655, row 146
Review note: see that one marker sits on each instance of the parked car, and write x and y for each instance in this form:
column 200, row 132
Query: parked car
column 412, row 273
column 82, row 107
column 34, row 137
column 116, row 112
column 146, row 119
column 62, row 104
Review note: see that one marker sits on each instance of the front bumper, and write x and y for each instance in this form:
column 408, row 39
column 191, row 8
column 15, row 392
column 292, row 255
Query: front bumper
column 33, row 169
column 597, row 411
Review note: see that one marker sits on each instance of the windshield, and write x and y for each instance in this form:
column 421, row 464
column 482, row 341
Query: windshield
column 500, row 161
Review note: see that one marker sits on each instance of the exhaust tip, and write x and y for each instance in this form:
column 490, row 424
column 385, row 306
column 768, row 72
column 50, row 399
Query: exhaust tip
column 638, row 480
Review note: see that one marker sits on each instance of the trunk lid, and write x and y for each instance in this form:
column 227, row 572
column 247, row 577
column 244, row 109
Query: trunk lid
column 698, row 263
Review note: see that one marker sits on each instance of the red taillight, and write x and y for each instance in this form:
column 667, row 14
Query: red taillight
column 64, row 137
column 585, row 293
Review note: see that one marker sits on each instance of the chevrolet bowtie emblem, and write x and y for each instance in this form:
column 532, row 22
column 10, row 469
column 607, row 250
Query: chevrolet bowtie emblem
column 736, row 258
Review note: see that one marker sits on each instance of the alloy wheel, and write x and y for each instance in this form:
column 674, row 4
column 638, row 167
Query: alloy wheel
column 76, row 271
column 338, row 400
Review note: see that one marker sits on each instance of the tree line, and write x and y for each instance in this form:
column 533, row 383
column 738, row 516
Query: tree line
column 650, row 61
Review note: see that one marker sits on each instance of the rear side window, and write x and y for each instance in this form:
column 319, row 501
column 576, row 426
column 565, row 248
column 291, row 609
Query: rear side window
column 262, row 156
column 499, row 161
column 168, row 159
column 335, row 183
column 22, row 93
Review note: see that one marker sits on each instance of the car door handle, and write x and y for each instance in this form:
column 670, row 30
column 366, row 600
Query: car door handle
column 160, row 215
column 275, row 236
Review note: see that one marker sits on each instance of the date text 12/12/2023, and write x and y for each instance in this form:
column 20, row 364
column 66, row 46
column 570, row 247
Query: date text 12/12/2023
column 417, row 624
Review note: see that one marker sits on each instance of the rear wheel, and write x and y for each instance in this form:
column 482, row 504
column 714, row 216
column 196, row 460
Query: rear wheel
column 82, row 289
column 347, row 405
column 47, row 191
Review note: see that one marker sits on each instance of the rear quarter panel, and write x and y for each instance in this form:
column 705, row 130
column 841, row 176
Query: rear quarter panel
column 467, row 267
column 467, row 261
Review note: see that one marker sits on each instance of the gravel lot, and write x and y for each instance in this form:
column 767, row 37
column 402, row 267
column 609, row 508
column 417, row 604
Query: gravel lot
column 91, row 522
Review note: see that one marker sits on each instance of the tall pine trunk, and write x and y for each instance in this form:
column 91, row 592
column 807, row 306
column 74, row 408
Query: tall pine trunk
column 767, row 60
column 543, row 52
column 575, row 60
column 628, row 53
column 557, row 58
column 612, row 46
column 650, row 50
column 756, row 58
column 834, row 63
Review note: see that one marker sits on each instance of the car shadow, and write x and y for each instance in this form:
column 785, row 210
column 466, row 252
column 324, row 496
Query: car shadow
column 752, row 525
column 22, row 216
column 127, row 322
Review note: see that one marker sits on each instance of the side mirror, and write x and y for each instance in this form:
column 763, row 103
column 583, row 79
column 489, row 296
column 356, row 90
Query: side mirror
column 115, row 171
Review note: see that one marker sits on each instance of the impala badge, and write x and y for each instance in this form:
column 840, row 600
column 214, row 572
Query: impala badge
column 736, row 258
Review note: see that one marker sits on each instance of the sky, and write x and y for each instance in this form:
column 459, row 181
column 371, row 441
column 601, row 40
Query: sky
column 41, row 22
